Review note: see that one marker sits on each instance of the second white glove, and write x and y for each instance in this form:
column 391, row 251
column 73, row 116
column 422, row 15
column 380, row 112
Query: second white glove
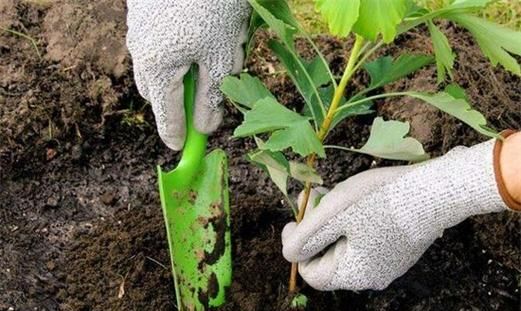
column 370, row 229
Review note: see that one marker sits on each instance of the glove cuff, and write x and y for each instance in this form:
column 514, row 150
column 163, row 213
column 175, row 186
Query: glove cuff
column 503, row 192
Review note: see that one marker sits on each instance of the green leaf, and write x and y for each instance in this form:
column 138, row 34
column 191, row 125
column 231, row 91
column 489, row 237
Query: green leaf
column 495, row 41
column 414, row 10
column 256, row 22
column 444, row 55
column 299, row 136
column 380, row 17
column 279, row 168
column 318, row 72
column 384, row 70
column 288, row 128
column 275, row 164
column 245, row 91
column 277, row 15
column 468, row 4
column 304, row 173
column 340, row 15
column 278, row 9
column 457, row 92
column 453, row 101
column 451, row 8
column 357, row 110
column 388, row 141
column 327, row 94
column 302, row 79
column 300, row 301
column 266, row 116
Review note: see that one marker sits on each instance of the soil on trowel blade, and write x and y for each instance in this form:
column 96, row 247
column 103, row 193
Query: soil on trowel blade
column 80, row 218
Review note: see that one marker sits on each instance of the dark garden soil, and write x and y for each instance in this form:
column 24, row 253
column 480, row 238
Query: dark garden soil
column 80, row 220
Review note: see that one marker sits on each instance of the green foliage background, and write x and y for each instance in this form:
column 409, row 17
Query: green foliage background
column 507, row 12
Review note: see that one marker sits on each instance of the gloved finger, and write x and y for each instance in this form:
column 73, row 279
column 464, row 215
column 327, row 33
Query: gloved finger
column 208, row 112
column 141, row 81
column 319, row 271
column 355, row 187
column 296, row 239
column 303, row 241
column 222, row 61
column 314, row 197
column 238, row 59
column 359, row 269
column 320, row 226
column 167, row 98
column 317, row 230
column 342, row 267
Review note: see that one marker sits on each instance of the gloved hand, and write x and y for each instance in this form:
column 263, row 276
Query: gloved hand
column 377, row 224
column 165, row 37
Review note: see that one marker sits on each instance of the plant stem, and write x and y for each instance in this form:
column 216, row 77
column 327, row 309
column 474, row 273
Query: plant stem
column 368, row 54
column 322, row 134
column 340, row 90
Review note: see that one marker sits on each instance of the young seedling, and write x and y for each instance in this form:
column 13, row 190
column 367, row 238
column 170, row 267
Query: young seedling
column 372, row 24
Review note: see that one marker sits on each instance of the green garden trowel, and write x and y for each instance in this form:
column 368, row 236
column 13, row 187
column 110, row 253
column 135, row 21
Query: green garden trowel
column 196, row 208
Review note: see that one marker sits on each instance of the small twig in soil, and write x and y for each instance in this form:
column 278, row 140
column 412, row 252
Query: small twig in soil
column 33, row 42
column 156, row 262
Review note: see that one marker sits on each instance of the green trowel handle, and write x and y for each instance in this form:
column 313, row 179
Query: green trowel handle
column 196, row 209
column 194, row 149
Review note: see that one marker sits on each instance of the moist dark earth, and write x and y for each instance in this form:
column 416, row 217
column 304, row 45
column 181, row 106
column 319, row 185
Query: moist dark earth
column 80, row 218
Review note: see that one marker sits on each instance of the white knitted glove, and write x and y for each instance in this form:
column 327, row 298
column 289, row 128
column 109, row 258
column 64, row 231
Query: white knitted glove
column 377, row 224
column 165, row 37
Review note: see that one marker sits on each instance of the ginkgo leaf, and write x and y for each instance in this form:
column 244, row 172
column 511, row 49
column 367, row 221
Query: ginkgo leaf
column 267, row 115
column 384, row 70
column 299, row 136
column 466, row 4
column 357, row 110
column 279, row 10
column 380, row 17
column 283, row 24
column 305, row 76
column 288, row 129
column 279, row 169
column 453, row 101
column 340, row 15
column 457, row 92
column 304, row 173
column 304, row 80
column 318, row 72
column 387, row 140
column 327, row 94
column 495, row 41
column 417, row 15
column 245, row 91
column 275, row 164
column 443, row 51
